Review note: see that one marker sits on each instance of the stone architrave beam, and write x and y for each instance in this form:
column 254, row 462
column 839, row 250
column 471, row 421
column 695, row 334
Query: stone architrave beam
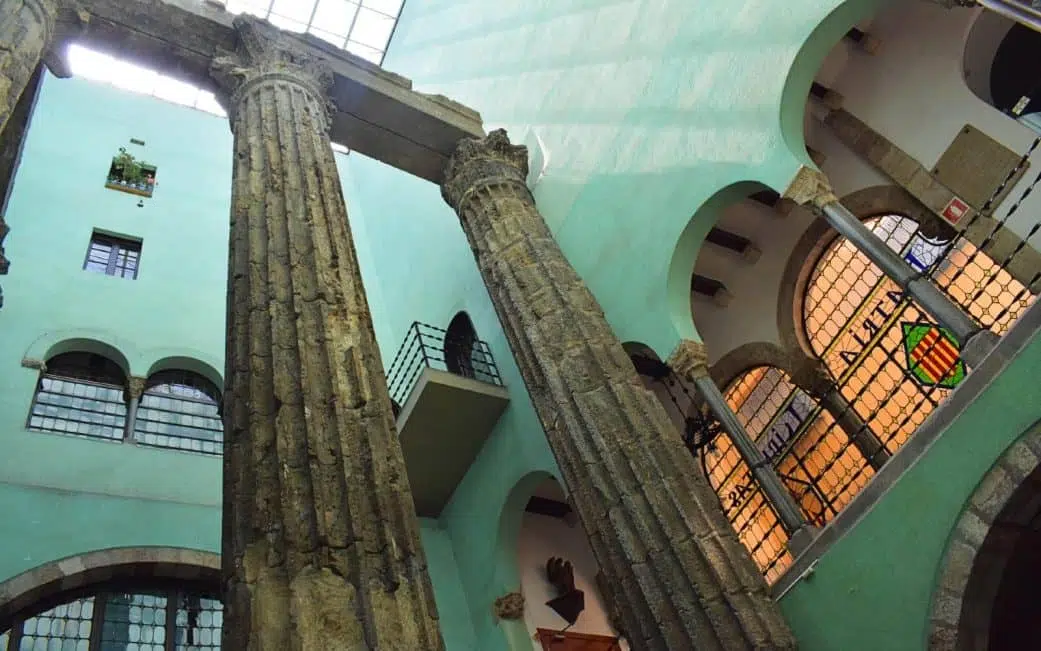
column 674, row 564
column 321, row 547
column 377, row 112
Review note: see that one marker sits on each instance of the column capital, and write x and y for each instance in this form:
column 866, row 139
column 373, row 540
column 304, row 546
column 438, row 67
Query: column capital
column 265, row 54
column 136, row 386
column 810, row 187
column 811, row 375
column 689, row 360
column 478, row 162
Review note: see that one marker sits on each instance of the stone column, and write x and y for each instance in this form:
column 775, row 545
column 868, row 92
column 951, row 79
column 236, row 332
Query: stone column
column 810, row 375
column 690, row 361
column 135, row 389
column 321, row 545
column 811, row 188
column 27, row 31
column 674, row 563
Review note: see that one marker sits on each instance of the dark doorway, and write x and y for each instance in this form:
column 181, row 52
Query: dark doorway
column 460, row 342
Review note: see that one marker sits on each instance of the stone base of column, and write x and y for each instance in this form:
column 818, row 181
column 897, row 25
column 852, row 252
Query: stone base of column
column 979, row 345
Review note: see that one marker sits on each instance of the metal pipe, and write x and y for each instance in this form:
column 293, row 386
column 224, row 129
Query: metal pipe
column 789, row 512
column 1023, row 14
column 922, row 290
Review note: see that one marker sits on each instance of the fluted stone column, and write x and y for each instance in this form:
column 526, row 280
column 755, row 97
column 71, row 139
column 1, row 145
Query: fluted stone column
column 321, row 545
column 27, row 32
column 810, row 375
column 675, row 566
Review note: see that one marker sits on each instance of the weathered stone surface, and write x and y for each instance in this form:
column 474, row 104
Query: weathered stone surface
column 654, row 524
column 26, row 27
column 321, row 541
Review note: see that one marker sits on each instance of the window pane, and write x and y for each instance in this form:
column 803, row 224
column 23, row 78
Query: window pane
column 372, row 28
column 335, row 17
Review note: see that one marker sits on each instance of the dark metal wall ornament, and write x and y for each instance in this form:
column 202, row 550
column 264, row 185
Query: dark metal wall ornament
column 570, row 601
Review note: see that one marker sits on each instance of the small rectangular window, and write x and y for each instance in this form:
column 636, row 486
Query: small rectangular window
column 113, row 256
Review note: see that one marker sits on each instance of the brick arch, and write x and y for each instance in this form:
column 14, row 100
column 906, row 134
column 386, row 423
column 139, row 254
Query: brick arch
column 983, row 541
column 865, row 204
column 47, row 581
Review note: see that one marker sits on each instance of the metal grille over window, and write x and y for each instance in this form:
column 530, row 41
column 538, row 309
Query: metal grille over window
column 888, row 366
column 113, row 256
column 161, row 620
column 180, row 410
column 80, row 394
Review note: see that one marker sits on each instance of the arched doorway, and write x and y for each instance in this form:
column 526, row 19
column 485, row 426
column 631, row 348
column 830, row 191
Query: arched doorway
column 564, row 609
column 986, row 599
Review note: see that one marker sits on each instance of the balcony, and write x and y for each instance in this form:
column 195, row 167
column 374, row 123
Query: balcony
column 448, row 396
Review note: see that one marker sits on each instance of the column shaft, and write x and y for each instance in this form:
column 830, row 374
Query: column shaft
column 782, row 501
column 321, row 541
column 676, row 568
column 26, row 28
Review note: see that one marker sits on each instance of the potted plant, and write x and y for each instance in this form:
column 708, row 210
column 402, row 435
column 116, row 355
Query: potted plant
column 129, row 173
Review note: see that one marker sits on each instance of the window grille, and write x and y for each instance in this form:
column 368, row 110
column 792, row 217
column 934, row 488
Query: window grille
column 180, row 410
column 80, row 394
column 145, row 620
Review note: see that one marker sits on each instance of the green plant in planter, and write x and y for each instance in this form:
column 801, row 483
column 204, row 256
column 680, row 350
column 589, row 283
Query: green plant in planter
column 131, row 171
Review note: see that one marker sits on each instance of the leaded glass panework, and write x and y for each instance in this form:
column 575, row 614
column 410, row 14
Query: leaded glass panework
column 885, row 380
column 147, row 620
column 80, row 394
column 180, row 410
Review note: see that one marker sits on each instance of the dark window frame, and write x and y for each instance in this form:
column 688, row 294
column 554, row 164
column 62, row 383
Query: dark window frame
column 117, row 245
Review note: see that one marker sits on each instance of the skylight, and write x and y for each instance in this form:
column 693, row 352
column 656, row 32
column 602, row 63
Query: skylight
column 362, row 27
column 88, row 64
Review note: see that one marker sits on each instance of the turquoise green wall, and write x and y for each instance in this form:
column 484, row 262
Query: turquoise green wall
column 71, row 495
column 646, row 110
column 417, row 266
column 62, row 495
column 889, row 564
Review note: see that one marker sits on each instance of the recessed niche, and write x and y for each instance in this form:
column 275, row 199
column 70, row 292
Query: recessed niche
column 131, row 175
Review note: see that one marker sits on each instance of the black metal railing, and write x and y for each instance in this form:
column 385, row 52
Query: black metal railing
column 428, row 346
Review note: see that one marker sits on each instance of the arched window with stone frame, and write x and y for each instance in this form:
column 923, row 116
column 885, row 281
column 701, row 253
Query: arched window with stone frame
column 874, row 381
column 82, row 394
column 180, row 410
column 121, row 615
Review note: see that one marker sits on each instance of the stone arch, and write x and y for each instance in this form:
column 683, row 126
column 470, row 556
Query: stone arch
column 57, row 342
column 865, row 204
column 688, row 246
column 52, row 579
column 808, row 61
column 744, row 358
column 506, row 574
column 192, row 364
column 983, row 541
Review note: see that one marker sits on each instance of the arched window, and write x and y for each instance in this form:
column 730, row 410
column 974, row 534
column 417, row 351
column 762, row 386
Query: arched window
column 180, row 410
column 81, row 394
column 146, row 619
column 890, row 366
column 889, row 360
column 810, row 453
